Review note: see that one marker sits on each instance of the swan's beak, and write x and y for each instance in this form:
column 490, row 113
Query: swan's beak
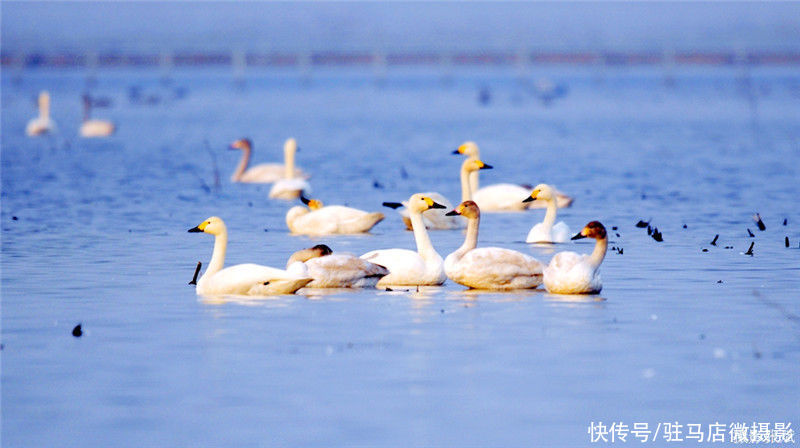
column 578, row 236
column 486, row 167
column 195, row 229
column 452, row 212
column 534, row 195
column 456, row 151
column 303, row 198
column 437, row 205
column 394, row 205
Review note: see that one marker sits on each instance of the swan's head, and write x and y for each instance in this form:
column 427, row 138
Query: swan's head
column 290, row 146
column 471, row 165
column 467, row 209
column 592, row 230
column 244, row 143
column 543, row 192
column 469, row 149
column 313, row 204
column 320, row 250
column 420, row 203
column 212, row 225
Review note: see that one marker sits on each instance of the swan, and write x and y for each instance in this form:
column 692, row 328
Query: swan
column 243, row 279
column 42, row 124
column 317, row 219
column 547, row 231
column 489, row 267
column 438, row 219
column 571, row 273
column 266, row 172
column 504, row 196
column 407, row 267
column 433, row 219
column 290, row 187
column 331, row 270
column 94, row 128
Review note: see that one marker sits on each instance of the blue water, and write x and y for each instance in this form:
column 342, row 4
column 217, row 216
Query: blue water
column 100, row 239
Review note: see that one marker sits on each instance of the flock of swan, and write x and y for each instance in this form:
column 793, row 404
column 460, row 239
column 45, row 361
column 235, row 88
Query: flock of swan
column 491, row 268
column 90, row 128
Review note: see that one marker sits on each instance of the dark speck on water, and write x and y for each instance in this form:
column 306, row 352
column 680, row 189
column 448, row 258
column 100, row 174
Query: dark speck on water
column 14, row 218
column 749, row 232
column 786, row 241
column 649, row 230
column 705, row 250
column 785, row 221
column 714, row 241
column 614, row 228
column 684, row 226
column 759, row 222
column 657, row 235
column 750, row 249
column 77, row 331
column 642, row 224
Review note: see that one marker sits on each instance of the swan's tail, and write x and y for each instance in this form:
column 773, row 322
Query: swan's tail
column 373, row 219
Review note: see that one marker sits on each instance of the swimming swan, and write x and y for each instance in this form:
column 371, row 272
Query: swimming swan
column 547, row 231
column 91, row 128
column 489, row 267
column 571, row 273
column 243, row 279
column 317, row 219
column 41, row 124
column 407, row 267
column 331, row 270
column 434, row 219
column 505, row 196
column 290, row 187
column 265, row 173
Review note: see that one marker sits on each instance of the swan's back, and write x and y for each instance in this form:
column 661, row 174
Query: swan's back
column 406, row 267
column 571, row 273
column 498, row 197
column 495, row 268
column 97, row 128
column 343, row 270
column 334, row 219
column 558, row 234
column 250, row 279
column 289, row 189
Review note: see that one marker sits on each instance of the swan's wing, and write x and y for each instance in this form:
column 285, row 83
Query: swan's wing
column 564, row 261
column 499, row 265
column 289, row 186
column 501, row 197
column 401, row 263
column 537, row 234
column 241, row 278
column 339, row 270
column 571, row 273
column 317, row 222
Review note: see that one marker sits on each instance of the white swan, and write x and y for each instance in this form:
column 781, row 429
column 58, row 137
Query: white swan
column 42, row 124
column 243, row 279
column 547, row 231
column 266, row 172
column 317, row 219
column 290, row 187
column 489, row 267
column 504, row 196
column 91, row 128
column 434, row 219
column 407, row 267
column 331, row 270
column 571, row 273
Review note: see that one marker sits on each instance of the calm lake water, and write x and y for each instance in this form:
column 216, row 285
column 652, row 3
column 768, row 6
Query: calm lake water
column 94, row 232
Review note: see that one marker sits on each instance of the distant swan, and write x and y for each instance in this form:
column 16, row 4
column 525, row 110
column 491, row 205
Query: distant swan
column 290, row 187
column 547, row 231
column 243, row 279
column 42, row 124
column 317, row 219
column 505, row 196
column 331, row 270
column 571, row 273
column 266, row 172
column 94, row 127
column 407, row 267
column 489, row 267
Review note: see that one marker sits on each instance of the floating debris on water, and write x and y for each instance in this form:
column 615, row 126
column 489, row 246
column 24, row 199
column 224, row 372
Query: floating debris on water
column 786, row 241
column 614, row 228
column 728, row 247
column 714, row 241
column 719, row 281
column 705, row 250
column 785, row 220
column 684, row 226
column 14, row 218
column 649, row 230
column 77, row 331
column 759, row 222
column 378, row 185
column 641, row 224
column 197, row 271
column 749, row 232
column 750, row 249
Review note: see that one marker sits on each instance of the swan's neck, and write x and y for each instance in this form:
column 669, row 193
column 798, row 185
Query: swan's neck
column 466, row 188
column 44, row 109
column 473, row 181
column 424, row 246
column 599, row 252
column 243, row 162
column 471, row 240
column 218, row 257
column 288, row 160
column 86, row 112
column 550, row 215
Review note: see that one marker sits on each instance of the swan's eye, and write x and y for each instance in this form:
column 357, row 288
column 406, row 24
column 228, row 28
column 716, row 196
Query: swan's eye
column 266, row 283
